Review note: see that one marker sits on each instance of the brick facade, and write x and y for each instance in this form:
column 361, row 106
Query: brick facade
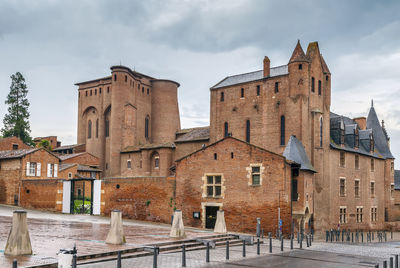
column 12, row 143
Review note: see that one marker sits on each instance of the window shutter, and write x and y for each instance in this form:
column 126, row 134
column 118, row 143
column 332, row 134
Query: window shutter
column 55, row 170
column 38, row 169
column 49, row 170
column 27, row 168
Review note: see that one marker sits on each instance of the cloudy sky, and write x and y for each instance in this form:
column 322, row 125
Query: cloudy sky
column 55, row 44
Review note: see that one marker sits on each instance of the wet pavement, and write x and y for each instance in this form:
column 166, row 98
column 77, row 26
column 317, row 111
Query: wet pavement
column 50, row 232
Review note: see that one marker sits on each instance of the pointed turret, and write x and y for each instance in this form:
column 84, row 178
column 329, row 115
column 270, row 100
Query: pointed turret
column 380, row 139
column 298, row 54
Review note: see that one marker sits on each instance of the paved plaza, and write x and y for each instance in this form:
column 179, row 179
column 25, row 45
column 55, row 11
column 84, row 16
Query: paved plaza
column 89, row 233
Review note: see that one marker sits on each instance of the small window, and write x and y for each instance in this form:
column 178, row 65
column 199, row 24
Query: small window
column 327, row 78
column 117, row 186
column 108, row 89
column 343, row 212
column 372, row 165
column 69, row 175
column 115, row 77
column 248, row 131
column 321, row 129
column 342, row 159
column 90, row 92
column 126, row 78
column 148, row 91
column 392, row 191
column 146, row 126
column 255, row 175
column 372, row 189
column 95, row 91
column 157, row 162
column 89, row 129
column 226, row 129
column 129, row 164
column 138, row 86
column 300, row 66
column 107, row 128
column 319, row 87
column 357, row 161
column 282, row 140
column 15, row 146
column 359, row 215
column 342, row 191
column 106, row 165
column 222, row 97
column 373, row 214
column 214, row 186
column 86, row 93
column 215, row 156
column 357, row 188
column 142, row 89
column 242, row 92
column 232, row 155
column 312, row 84
column 99, row 90
column 258, row 90
column 276, row 87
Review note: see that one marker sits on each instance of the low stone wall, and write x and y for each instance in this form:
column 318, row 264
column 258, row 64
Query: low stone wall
column 140, row 198
column 42, row 194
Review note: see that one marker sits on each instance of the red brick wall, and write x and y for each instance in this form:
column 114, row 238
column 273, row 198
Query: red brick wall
column 242, row 202
column 7, row 144
column 10, row 173
column 141, row 198
column 42, row 194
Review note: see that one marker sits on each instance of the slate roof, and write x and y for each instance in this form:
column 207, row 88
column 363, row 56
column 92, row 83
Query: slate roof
column 379, row 135
column 66, row 147
column 68, row 156
column 16, row 153
column 252, row 76
column 195, row 134
column 149, row 146
column 381, row 148
column 65, row 166
column 397, row 179
column 88, row 168
column 295, row 152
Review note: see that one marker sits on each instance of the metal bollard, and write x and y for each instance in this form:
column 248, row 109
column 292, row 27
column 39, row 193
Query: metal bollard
column 307, row 241
column 391, row 234
column 384, row 264
column 155, row 253
column 244, row 248
column 396, row 261
column 281, row 243
column 14, row 265
column 227, row 249
column 301, row 243
column 258, row 227
column 183, row 255
column 385, row 237
column 119, row 264
column 362, row 237
column 262, row 233
column 391, row 262
column 74, row 261
column 310, row 240
column 373, row 238
column 291, row 241
column 270, row 243
column 208, row 252
column 258, row 246
column 327, row 236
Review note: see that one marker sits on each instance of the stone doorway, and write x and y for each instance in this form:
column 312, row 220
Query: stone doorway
column 211, row 216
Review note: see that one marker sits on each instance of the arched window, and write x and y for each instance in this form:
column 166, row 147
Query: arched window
column 146, row 127
column 97, row 128
column 282, row 130
column 319, row 87
column 89, row 129
column 321, row 129
column 247, row 130
column 312, row 84
column 226, row 129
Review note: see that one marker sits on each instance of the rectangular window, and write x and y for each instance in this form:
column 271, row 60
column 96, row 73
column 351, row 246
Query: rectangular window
column 372, row 165
column 342, row 159
column 357, row 188
column 373, row 214
column 129, row 164
column 276, row 87
column 342, row 216
column 359, row 214
column 32, row 169
column 255, row 175
column 222, row 97
column 342, row 191
column 242, row 92
column 107, row 128
column 258, row 90
column 247, row 130
column 319, row 87
column 156, row 162
column 372, row 188
column 357, row 161
column 214, row 186
column 392, row 191
column 312, row 84
column 15, row 146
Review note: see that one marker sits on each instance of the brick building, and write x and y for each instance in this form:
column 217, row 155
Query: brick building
column 341, row 169
column 12, row 143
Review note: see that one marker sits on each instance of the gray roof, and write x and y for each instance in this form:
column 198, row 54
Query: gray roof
column 295, row 152
column 349, row 129
column 16, row 153
column 195, row 134
column 380, row 139
column 68, row 156
column 66, row 147
column 65, row 166
column 88, row 168
column 397, row 179
column 252, row 76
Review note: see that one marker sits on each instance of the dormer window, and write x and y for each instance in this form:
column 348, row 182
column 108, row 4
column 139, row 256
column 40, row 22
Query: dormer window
column 356, row 139
column 371, row 143
column 342, row 136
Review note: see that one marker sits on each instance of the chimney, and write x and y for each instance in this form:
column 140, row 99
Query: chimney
column 267, row 64
column 362, row 122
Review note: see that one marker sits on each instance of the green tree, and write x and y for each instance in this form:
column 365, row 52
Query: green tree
column 16, row 122
column 45, row 144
